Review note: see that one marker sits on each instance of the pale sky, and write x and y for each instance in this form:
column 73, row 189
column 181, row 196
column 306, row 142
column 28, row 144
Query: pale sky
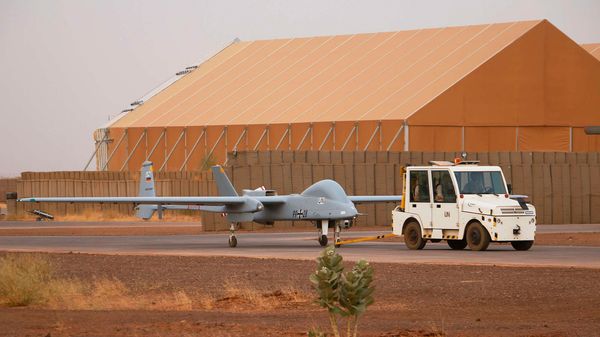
column 66, row 66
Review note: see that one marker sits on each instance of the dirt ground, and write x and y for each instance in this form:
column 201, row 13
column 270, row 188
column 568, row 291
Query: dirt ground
column 410, row 300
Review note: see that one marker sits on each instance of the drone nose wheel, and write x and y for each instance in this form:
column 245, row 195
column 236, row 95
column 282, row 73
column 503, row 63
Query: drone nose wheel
column 232, row 238
column 232, row 241
column 323, row 240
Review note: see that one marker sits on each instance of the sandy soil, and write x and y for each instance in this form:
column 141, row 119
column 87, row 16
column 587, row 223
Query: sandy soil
column 411, row 300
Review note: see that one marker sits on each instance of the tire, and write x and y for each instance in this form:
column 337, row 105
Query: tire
column 232, row 241
column 521, row 245
column 478, row 237
column 323, row 240
column 457, row 244
column 413, row 239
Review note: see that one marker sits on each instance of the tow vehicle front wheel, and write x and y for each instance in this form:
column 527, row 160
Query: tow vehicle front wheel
column 412, row 236
column 478, row 237
column 521, row 245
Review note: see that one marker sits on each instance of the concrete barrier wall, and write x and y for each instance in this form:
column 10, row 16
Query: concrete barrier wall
column 7, row 185
column 565, row 187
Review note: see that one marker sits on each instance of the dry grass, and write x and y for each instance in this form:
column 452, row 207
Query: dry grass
column 111, row 294
column 110, row 215
column 27, row 279
column 24, row 279
column 238, row 296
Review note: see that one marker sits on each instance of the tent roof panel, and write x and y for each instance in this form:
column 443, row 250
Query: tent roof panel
column 332, row 78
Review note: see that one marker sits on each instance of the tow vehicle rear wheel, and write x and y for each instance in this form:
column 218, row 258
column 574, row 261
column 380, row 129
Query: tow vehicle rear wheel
column 323, row 240
column 457, row 244
column 478, row 237
column 412, row 236
column 521, row 245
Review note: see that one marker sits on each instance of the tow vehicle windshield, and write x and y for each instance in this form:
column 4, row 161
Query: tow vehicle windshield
column 480, row 182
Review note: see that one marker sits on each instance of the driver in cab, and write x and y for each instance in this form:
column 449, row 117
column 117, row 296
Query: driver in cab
column 475, row 184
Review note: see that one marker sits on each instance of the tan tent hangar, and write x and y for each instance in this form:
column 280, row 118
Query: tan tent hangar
column 517, row 86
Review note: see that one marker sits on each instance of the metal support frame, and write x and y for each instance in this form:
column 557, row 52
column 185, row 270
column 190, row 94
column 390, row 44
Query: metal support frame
column 287, row 131
column 262, row 136
column 240, row 139
column 214, row 146
column 234, row 148
column 173, row 149
column 356, row 138
column 98, row 144
column 114, row 150
column 331, row 129
column 571, row 139
column 189, row 155
column 132, row 151
column 349, row 136
column 395, row 137
column 163, row 133
column 309, row 130
column 406, row 137
column 377, row 129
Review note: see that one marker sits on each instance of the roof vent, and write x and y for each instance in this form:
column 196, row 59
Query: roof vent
column 183, row 72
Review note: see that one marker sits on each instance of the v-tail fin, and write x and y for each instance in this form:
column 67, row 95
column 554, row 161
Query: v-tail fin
column 224, row 185
column 146, row 190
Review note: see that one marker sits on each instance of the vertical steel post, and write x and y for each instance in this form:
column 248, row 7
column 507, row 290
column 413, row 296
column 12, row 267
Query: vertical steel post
column 133, row 150
column 98, row 144
column 348, row 138
column 406, row 137
column 189, row 155
column 156, row 144
column 304, row 137
column 172, row 150
column 571, row 139
column 462, row 144
column 114, row 150
column 395, row 137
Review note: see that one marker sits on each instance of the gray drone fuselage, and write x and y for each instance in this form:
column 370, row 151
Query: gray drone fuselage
column 324, row 200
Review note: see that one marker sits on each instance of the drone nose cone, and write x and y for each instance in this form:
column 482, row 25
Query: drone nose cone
column 351, row 211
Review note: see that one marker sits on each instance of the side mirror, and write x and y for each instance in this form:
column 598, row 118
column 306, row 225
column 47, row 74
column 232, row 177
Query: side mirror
column 509, row 188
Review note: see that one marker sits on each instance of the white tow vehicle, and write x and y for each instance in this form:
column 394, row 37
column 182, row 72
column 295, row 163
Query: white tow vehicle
column 464, row 204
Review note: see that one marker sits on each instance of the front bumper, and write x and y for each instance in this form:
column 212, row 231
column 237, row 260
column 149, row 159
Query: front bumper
column 513, row 228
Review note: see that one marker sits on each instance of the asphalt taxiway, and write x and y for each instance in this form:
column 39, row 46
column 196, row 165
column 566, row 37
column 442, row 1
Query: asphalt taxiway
column 303, row 245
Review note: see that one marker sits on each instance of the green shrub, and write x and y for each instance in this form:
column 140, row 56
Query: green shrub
column 24, row 279
column 346, row 294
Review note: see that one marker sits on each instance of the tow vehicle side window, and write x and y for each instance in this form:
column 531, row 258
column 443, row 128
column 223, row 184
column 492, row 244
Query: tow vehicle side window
column 419, row 186
column 443, row 189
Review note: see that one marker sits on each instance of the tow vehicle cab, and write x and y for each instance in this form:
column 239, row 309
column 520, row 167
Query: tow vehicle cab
column 464, row 204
